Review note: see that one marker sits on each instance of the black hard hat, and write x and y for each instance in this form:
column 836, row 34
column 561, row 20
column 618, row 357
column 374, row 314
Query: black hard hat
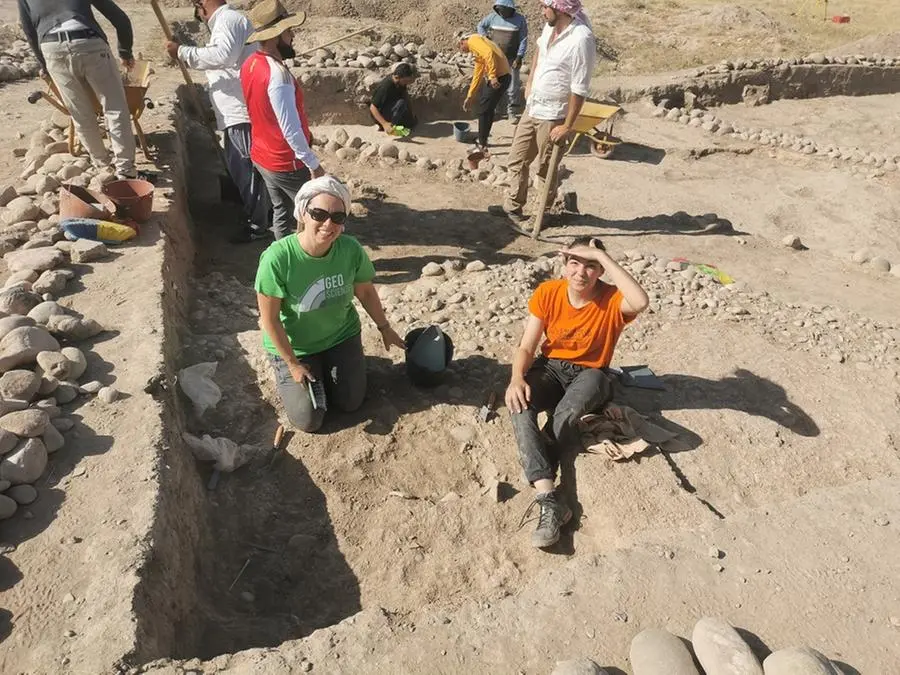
column 428, row 353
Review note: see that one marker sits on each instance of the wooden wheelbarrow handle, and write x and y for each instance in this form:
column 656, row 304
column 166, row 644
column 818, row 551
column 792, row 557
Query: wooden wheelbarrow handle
column 36, row 96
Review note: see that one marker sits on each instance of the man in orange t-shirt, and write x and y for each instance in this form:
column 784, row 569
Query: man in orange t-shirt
column 580, row 318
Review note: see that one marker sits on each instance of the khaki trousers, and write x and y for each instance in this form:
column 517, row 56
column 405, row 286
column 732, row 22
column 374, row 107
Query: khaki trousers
column 531, row 140
column 78, row 68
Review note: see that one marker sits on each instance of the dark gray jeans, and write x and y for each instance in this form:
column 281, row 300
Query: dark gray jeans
column 568, row 391
column 245, row 176
column 283, row 186
column 342, row 369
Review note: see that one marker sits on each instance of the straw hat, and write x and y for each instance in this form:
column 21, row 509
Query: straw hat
column 270, row 19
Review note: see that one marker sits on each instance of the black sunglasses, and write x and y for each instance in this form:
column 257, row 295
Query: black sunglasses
column 321, row 215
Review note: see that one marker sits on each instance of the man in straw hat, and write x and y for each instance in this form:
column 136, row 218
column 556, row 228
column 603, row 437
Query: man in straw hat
column 280, row 137
column 558, row 83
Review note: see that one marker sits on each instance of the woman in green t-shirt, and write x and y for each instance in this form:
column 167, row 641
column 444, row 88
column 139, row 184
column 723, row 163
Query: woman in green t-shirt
column 305, row 287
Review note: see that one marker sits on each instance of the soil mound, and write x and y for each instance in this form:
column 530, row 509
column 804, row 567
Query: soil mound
column 887, row 44
column 730, row 16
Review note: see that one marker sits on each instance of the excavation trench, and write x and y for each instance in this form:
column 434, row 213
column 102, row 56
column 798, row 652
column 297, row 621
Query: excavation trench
column 253, row 562
column 290, row 544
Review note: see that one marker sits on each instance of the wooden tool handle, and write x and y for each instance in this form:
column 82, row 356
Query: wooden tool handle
column 340, row 39
column 279, row 436
column 549, row 180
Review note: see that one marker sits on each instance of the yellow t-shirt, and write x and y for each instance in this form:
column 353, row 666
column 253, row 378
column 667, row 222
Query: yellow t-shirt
column 490, row 61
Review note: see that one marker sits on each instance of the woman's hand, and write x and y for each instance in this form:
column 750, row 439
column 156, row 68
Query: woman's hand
column 518, row 395
column 390, row 339
column 300, row 373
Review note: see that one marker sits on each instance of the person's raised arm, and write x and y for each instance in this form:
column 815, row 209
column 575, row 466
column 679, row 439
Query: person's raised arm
column 222, row 51
column 634, row 297
column 367, row 295
column 518, row 393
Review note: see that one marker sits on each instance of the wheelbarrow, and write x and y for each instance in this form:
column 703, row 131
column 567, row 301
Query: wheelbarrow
column 136, row 81
column 596, row 121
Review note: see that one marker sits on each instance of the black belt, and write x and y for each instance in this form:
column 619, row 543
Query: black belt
column 69, row 35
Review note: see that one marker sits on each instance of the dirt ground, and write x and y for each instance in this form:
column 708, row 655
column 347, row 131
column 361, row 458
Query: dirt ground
column 377, row 546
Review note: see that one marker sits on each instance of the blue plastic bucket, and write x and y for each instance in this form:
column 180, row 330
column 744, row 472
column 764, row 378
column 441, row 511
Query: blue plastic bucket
column 461, row 131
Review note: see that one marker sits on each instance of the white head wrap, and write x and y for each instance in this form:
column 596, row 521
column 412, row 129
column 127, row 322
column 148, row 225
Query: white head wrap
column 328, row 185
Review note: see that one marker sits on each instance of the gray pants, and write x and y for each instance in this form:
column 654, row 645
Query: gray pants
column 283, row 186
column 342, row 369
column 512, row 104
column 83, row 70
column 568, row 391
column 245, row 176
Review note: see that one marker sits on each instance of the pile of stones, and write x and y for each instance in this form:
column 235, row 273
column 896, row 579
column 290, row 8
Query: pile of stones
column 480, row 307
column 727, row 66
column 719, row 649
column 394, row 49
column 683, row 291
column 41, row 368
column 389, row 154
column 17, row 62
column 873, row 164
column 483, row 308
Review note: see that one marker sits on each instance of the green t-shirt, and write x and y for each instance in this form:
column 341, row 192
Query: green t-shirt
column 317, row 293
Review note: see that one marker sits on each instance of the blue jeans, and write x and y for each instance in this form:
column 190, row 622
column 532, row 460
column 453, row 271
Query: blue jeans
column 342, row 370
column 567, row 391
column 245, row 176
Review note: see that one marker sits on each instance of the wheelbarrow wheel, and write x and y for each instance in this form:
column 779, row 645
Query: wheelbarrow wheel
column 603, row 145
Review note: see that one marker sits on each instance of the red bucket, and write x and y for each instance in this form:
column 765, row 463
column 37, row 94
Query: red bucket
column 78, row 202
column 133, row 198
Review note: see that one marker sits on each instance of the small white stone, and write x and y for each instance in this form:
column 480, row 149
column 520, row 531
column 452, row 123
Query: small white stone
column 108, row 394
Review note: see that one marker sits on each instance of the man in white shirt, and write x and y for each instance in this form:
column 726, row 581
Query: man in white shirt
column 558, row 83
column 222, row 58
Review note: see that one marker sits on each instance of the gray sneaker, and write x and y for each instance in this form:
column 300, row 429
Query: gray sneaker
column 553, row 515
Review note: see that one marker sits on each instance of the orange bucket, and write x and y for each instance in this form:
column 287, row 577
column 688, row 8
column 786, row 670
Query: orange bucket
column 133, row 198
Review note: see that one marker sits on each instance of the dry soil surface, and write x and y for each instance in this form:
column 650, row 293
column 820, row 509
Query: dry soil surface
column 387, row 522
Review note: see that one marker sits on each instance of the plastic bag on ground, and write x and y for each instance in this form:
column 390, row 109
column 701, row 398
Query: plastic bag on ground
column 226, row 454
column 196, row 381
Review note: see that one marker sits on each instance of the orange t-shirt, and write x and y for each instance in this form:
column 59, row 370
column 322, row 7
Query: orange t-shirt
column 585, row 336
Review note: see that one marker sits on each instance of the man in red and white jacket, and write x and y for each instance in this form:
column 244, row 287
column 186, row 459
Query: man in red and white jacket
column 280, row 137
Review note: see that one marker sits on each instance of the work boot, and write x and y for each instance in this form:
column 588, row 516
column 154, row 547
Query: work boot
column 249, row 234
column 515, row 216
column 554, row 514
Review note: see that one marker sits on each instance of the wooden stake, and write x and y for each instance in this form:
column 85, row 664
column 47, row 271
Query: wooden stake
column 552, row 169
column 340, row 39
column 192, row 92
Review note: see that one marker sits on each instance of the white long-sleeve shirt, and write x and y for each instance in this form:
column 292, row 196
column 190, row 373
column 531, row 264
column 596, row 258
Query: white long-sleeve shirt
column 222, row 58
column 563, row 68
column 282, row 91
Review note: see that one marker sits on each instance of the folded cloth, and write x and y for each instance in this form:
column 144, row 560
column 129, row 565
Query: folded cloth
column 621, row 432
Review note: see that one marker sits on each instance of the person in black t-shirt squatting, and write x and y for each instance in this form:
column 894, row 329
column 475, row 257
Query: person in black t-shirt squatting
column 390, row 104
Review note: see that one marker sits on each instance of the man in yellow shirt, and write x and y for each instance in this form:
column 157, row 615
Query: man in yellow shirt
column 492, row 73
